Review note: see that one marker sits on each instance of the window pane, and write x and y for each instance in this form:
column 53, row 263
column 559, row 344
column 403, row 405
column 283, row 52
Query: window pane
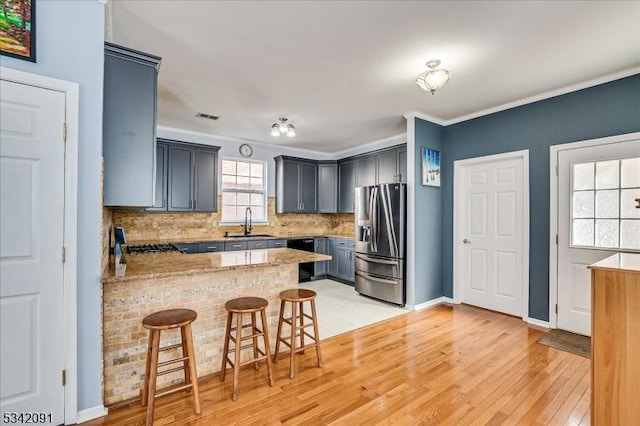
column 583, row 204
column 630, row 173
column 607, row 174
column 243, row 169
column 607, row 204
column 257, row 199
column 243, row 183
column 630, row 234
column 243, row 199
column 228, row 167
column 628, row 203
column 228, row 182
column 229, row 198
column 256, row 184
column 583, row 176
column 256, row 170
column 582, row 234
column 606, row 233
column 258, row 213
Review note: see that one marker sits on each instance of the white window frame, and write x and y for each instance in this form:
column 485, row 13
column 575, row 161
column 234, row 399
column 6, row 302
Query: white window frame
column 619, row 218
column 264, row 191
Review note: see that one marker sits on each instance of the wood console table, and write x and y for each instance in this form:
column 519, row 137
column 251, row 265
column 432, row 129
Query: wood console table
column 615, row 340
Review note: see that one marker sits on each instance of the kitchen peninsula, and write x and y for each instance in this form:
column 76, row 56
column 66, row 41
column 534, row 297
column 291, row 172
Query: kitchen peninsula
column 202, row 282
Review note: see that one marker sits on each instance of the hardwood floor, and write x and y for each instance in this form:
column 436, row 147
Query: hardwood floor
column 456, row 365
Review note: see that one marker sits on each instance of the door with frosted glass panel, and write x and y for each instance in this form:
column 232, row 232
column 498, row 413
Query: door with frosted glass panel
column 598, row 186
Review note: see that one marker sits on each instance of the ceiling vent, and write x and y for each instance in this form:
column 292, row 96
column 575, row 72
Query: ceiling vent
column 209, row 116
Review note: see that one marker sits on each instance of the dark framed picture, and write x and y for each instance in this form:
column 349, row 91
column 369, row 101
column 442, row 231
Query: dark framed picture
column 430, row 167
column 17, row 29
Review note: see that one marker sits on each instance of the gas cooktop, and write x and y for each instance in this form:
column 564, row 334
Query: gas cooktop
column 152, row 248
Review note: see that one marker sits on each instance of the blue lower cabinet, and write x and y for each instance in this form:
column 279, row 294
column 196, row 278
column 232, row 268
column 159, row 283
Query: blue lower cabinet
column 276, row 243
column 210, row 247
column 235, row 245
column 188, row 248
column 260, row 244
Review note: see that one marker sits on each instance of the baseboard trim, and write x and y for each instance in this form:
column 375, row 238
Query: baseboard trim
column 430, row 303
column 92, row 413
column 539, row 323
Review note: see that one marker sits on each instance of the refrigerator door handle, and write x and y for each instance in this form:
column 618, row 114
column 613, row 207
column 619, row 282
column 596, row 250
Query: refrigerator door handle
column 391, row 232
column 376, row 219
column 380, row 280
column 376, row 260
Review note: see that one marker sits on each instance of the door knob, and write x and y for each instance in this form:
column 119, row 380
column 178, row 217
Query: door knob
column 465, row 241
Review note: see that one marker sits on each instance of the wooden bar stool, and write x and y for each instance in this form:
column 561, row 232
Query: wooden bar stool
column 297, row 297
column 167, row 320
column 239, row 307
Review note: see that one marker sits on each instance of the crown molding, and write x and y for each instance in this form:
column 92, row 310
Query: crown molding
column 371, row 146
column 546, row 95
column 426, row 117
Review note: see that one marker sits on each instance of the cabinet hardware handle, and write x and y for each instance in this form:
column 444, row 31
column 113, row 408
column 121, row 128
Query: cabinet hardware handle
column 195, row 204
column 212, row 247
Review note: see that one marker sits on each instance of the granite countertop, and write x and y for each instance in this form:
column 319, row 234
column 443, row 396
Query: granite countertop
column 229, row 239
column 154, row 265
column 627, row 262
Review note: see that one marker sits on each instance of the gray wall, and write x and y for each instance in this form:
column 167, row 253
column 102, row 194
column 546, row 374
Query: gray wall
column 605, row 110
column 428, row 219
column 70, row 45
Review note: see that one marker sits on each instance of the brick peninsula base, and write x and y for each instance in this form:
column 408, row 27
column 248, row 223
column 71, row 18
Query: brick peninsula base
column 127, row 300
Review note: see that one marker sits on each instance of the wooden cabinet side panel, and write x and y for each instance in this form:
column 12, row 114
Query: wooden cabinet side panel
column 615, row 347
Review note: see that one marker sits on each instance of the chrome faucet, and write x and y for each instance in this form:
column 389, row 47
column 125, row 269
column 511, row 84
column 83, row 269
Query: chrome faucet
column 248, row 226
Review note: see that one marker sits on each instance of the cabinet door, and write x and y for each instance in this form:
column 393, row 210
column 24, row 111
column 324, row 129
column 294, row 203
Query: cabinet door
column 342, row 262
column 366, row 171
column 320, row 247
column 206, row 188
column 276, row 243
column 327, row 188
column 331, row 251
column 351, row 256
column 129, row 122
column 308, row 187
column 235, row 245
column 210, row 247
column 346, row 185
column 290, row 186
column 160, row 204
column 188, row 248
column 387, row 163
column 402, row 164
column 180, row 179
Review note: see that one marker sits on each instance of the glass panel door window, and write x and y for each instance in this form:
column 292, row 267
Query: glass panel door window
column 603, row 206
column 243, row 185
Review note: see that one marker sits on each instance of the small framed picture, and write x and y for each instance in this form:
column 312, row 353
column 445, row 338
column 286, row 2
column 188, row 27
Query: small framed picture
column 430, row 167
column 17, row 29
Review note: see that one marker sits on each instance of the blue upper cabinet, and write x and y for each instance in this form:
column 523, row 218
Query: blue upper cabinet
column 296, row 185
column 129, row 126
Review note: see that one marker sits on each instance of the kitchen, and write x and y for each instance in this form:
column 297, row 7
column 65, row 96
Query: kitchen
column 430, row 241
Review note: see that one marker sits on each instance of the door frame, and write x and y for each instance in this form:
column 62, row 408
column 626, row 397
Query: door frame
column 458, row 167
column 554, row 152
column 70, row 266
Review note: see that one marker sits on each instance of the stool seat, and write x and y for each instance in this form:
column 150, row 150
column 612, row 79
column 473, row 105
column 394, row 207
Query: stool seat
column 246, row 304
column 297, row 295
column 168, row 319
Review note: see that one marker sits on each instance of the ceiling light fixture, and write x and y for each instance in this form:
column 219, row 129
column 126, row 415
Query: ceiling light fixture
column 283, row 127
column 433, row 79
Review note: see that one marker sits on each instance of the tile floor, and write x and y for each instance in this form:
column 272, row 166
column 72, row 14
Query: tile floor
column 341, row 309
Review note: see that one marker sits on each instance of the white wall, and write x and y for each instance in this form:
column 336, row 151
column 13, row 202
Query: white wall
column 70, row 46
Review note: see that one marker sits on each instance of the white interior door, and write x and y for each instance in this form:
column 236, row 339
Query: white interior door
column 491, row 234
column 597, row 187
column 32, row 154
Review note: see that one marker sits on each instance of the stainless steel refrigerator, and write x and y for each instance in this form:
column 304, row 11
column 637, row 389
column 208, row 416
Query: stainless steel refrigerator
column 380, row 219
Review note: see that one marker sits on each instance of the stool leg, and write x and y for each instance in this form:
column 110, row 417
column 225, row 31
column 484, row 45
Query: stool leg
column 193, row 372
column 315, row 331
column 225, row 350
column 236, row 362
column 292, row 356
column 185, row 353
column 301, row 313
column 147, row 368
column 265, row 335
column 153, row 374
column 254, row 330
column 280, row 318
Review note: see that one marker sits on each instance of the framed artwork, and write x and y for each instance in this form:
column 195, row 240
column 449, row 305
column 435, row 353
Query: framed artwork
column 17, row 29
column 430, row 167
